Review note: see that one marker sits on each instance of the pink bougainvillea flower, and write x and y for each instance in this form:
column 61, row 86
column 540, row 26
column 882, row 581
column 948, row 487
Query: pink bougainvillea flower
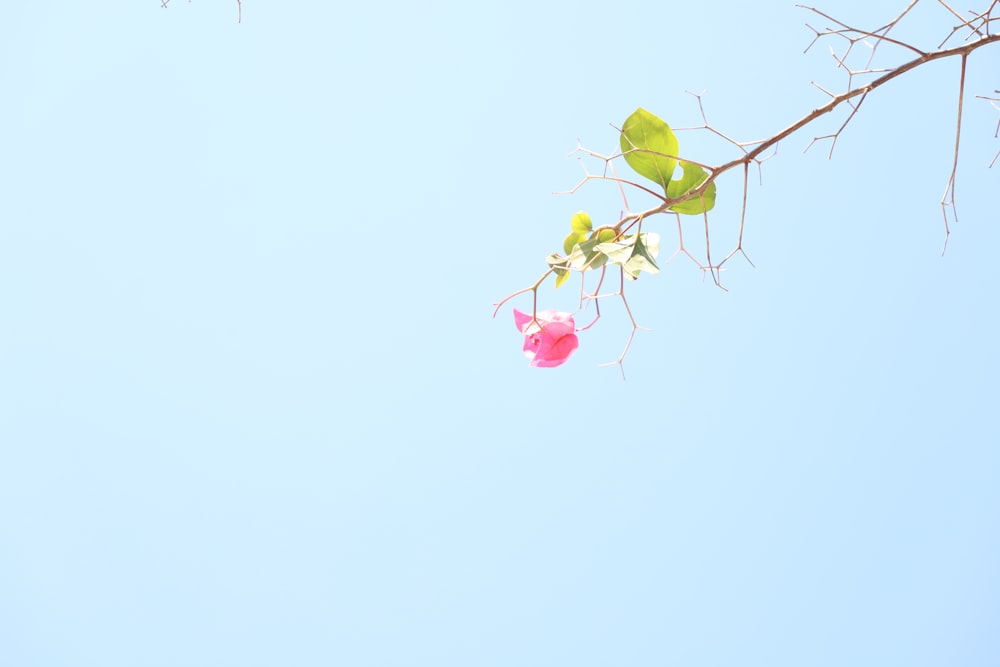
column 549, row 337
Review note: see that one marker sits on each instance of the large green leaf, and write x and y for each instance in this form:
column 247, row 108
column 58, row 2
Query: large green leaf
column 692, row 177
column 646, row 141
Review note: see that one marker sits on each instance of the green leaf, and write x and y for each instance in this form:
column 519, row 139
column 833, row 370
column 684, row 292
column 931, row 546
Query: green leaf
column 560, row 266
column 634, row 253
column 581, row 222
column 571, row 240
column 605, row 235
column 585, row 256
column 618, row 252
column 645, row 142
column 692, row 177
column 647, row 247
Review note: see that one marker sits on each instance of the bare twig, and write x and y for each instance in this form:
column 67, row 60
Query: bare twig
column 948, row 199
column 977, row 34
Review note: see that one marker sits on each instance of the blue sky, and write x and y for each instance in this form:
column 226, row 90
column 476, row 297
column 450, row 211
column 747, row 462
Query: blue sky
column 254, row 409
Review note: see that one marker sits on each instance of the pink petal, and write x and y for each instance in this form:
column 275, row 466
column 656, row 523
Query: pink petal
column 549, row 337
column 556, row 353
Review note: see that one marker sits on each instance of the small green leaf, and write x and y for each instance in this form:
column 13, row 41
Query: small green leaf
column 559, row 265
column 646, row 141
column 605, row 235
column 572, row 239
column 693, row 177
column 581, row 222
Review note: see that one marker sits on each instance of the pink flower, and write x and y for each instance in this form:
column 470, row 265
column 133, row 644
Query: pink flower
column 549, row 337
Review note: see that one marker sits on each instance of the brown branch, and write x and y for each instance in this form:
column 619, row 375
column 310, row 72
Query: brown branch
column 836, row 100
column 978, row 27
column 864, row 33
column 963, row 51
column 750, row 155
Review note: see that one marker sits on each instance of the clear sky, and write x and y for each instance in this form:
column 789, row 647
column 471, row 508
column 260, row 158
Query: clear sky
column 254, row 409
